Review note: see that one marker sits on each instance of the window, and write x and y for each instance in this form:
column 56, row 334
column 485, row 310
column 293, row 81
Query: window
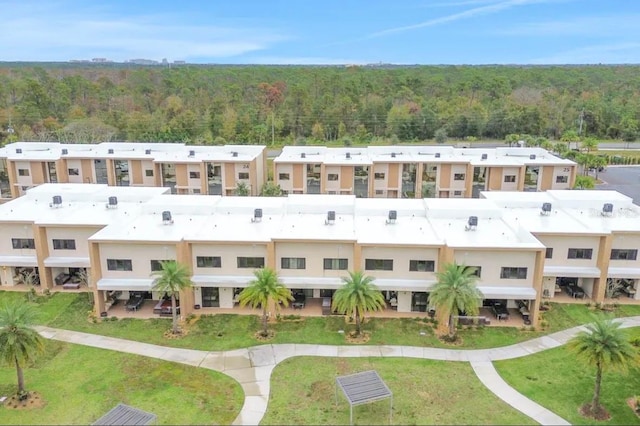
column 336, row 264
column 73, row 172
column 513, row 273
column 23, row 243
column 332, row 176
column 195, row 175
column 549, row 253
column 156, row 265
column 422, row 265
column 293, row 263
column 576, row 253
column 562, row 179
column 23, row 172
column 622, row 254
column 119, row 265
column 458, row 176
column 379, row 191
column 243, row 175
column 208, row 261
column 64, row 244
column 283, row 176
column 477, row 270
column 148, row 172
column 378, row 176
column 378, row 264
column 510, row 179
column 457, row 193
column 250, row 262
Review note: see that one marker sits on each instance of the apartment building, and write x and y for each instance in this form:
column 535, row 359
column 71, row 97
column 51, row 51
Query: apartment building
column 214, row 170
column 419, row 171
column 523, row 246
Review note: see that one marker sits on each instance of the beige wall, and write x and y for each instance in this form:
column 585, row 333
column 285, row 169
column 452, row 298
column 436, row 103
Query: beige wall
column 24, row 180
column 346, row 179
column 401, row 257
column 562, row 171
column 228, row 254
column 79, row 234
column 561, row 245
column 547, row 178
column 15, row 230
column 315, row 253
column 491, row 262
column 140, row 255
column 286, row 185
column 331, row 185
column 75, row 163
column 625, row 241
column 510, row 171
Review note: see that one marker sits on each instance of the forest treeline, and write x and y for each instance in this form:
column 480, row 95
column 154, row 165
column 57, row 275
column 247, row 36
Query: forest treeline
column 295, row 104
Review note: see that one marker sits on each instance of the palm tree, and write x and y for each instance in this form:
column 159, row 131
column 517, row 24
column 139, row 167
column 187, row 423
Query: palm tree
column 171, row 279
column 455, row 292
column 358, row 296
column 584, row 182
column 266, row 287
column 19, row 343
column 603, row 345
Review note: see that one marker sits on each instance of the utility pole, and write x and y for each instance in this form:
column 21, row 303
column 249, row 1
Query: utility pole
column 581, row 121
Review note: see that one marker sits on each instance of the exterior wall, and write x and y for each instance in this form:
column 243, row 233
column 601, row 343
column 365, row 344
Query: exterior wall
column 228, row 254
column 563, row 171
column 346, row 180
column 459, row 185
column 331, row 185
column 135, row 172
column 15, row 230
column 182, row 178
column 24, row 180
column 294, row 181
column 547, row 180
column 74, row 164
column 315, row 253
column 299, row 176
column 194, row 183
column 241, row 168
column 140, row 255
column 148, row 180
column 492, row 261
column 79, row 234
column 495, row 178
column 381, row 184
column 510, row 186
column 561, row 245
column 401, row 257
column 625, row 241
column 443, row 178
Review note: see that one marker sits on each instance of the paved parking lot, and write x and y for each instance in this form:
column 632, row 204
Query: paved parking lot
column 624, row 179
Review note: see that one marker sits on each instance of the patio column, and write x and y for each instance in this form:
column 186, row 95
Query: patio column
column 538, row 279
column 99, row 301
column 184, row 257
column 604, row 256
column 95, row 273
column 357, row 257
column 42, row 252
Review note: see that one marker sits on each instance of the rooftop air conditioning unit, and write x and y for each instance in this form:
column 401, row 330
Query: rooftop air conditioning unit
column 112, row 203
column 393, row 155
column 546, row 209
column 393, row 216
column 110, row 151
column 348, row 155
column 437, row 155
column 483, row 157
column 192, row 153
column 18, row 150
column 532, row 157
column 303, row 155
column 472, row 223
column 147, row 151
column 166, row 217
column 65, row 151
column 257, row 215
column 607, row 209
column 331, row 217
column 234, row 154
column 57, row 202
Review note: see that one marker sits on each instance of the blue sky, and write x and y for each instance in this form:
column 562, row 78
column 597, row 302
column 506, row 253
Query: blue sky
column 324, row 32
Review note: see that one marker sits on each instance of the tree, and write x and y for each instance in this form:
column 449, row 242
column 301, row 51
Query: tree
column 603, row 345
column 358, row 296
column 584, row 182
column 441, row 135
column 265, row 288
column 455, row 292
column 570, row 136
column 242, row 189
column 19, row 342
column 172, row 278
column 512, row 139
column 589, row 144
column 270, row 189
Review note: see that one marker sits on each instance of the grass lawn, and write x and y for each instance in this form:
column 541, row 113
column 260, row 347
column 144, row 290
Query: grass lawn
column 557, row 381
column 424, row 392
column 80, row 384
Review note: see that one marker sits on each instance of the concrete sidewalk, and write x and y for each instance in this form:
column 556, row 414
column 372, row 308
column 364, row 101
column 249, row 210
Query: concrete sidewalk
column 252, row 367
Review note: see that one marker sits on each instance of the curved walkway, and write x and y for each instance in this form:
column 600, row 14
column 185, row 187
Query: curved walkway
column 252, row 367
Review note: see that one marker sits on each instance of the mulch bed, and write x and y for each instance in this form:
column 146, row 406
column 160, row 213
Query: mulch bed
column 601, row 415
column 351, row 337
column 261, row 337
column 447, row 340
column 33, row 401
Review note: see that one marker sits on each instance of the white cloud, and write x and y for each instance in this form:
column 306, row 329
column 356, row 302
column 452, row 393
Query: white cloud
column 617, row 53
column 52, row 32
column 467, row 14
column 583, row 26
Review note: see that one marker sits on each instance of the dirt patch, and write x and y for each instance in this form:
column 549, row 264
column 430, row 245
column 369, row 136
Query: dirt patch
column 264, row 338
column 601, row 414
column 633, row 403
column 342, row 367
column 455, row 341
column 352, row 337
column 32, row 401
column 320, row 390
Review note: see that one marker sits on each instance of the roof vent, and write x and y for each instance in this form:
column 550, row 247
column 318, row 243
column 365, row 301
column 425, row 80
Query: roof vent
column 472, row 224
column 437, row 155
column 257, row 215
column 147, row 151
column 532, row 157
column 393, row 155
column 110, row 151
column 112, row 203
column 65, row 151
column 348, row 155
column 607, row 209
column 18, row 150
column 192, row 153
column 546, row 209
column 393, row 215
column 331, row 217
column 303, row 155
column 57, row 202
column 234, row 154
column 166, row 217
column 483, row 157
